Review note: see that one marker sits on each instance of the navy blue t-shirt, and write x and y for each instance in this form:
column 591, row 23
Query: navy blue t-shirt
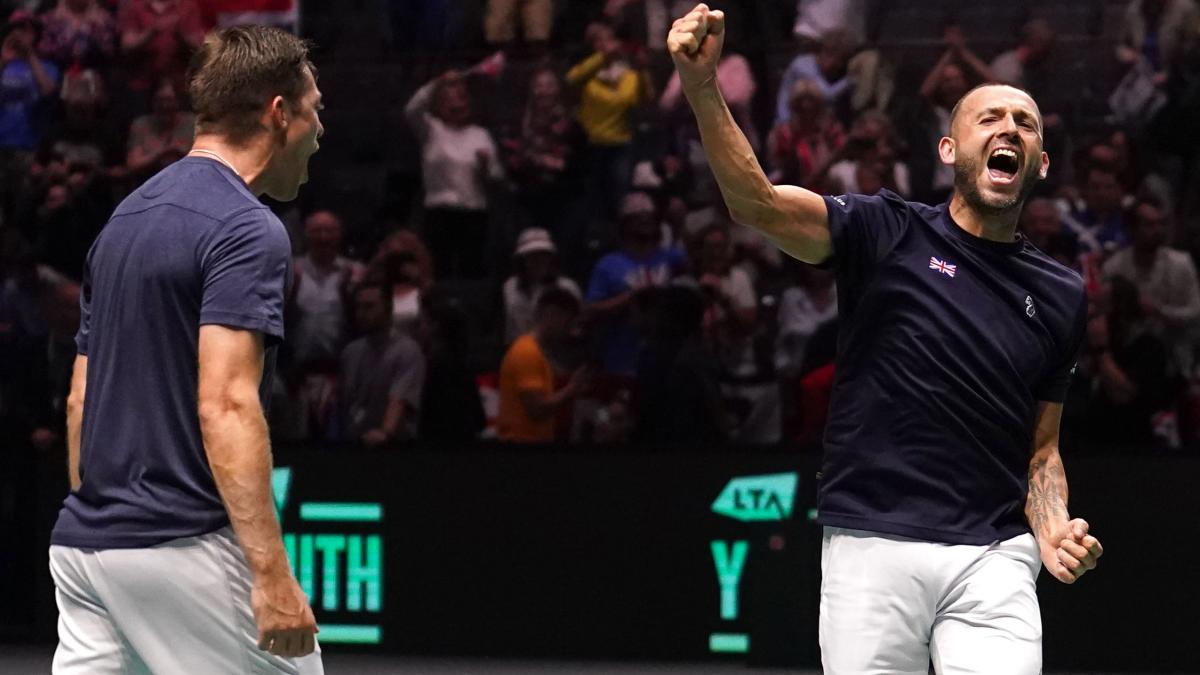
column 946, row 344
column 192, row 246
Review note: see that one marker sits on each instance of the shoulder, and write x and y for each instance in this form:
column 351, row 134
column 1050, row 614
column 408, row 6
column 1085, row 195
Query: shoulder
column 1178, row 259
column 568, row 285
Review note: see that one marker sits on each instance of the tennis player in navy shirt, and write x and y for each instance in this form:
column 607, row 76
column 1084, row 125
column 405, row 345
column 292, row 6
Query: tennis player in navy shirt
column 942, row 491
column 167, row 555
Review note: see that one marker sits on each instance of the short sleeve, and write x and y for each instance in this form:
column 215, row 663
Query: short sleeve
column 1053, row 387
column 865, row 229
column 245, row 273
column 529, row 368
column 85, row 309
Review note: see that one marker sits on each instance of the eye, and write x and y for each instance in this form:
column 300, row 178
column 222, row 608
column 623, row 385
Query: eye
column 987, row 120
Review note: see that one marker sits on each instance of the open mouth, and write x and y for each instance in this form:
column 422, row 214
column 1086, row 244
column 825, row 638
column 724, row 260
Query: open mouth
column 1003, row 165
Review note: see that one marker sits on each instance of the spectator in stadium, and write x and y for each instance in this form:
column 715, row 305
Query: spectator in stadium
column 610, row 87
column 322, row 282
column 529, row 398
column 1130, row 366
column 871, row 147
column 451, row 409
column 1041, row 223
column 1098, row 219
column 804, row 147
column 407, row 241
column 617, row 278
column 69, row 218
column 78, row 32
column 815, row 18
column 27, row 84
column 401, row 272
column 158, row 36
column 534, row 272
column 731, row 302
column 539, row 153
column 826, row 70
column 458, row 158
column 382, row 374
column 161, row 137
column 956, row 71
column 1166, row 281
column 802, row 310
column 1156, row 31
column 1014, row 66
column 676, row 397
column 500, row 22
column 45, row 377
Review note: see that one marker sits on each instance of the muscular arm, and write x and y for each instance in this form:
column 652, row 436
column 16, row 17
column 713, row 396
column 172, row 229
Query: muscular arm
column 75, row 418
column 1046, row 505
column 1067, row 550
column 794, row 219
column 235, row 438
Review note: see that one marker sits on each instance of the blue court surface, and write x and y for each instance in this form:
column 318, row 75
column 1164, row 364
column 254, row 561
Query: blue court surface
column 30, row 660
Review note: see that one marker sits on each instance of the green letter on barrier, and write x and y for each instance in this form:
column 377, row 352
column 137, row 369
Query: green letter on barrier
column 729, row 562
column 330, row 546
column 362, row 572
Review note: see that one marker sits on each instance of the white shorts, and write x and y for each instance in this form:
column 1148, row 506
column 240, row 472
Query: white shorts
column 179, row 607
column 891, row 604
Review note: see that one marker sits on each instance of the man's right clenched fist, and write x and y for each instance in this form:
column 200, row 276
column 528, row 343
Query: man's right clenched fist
column 695, row 45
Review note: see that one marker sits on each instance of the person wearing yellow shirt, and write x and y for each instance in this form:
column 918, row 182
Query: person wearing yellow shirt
column 528, row 398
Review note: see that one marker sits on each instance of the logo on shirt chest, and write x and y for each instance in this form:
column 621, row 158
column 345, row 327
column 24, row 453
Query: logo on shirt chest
column 1029, row 309
column 942, row 266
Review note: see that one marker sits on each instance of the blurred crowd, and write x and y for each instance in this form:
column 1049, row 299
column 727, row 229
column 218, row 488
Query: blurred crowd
column 570, row 273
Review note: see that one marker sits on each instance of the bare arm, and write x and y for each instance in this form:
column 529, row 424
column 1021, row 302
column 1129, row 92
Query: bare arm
column 75, row 418
column 234, row 431
column 794, row 219
column 1067, row 550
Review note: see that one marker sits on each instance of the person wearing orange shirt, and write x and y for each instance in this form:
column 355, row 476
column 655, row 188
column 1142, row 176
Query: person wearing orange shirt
column 528, row 399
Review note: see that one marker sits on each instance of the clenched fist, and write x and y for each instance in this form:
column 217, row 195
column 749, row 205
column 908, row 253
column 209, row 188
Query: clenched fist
column 695, row 44
column 1070, row 551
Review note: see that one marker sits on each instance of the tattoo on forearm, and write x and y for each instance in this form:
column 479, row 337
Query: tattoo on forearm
column 1047, row 502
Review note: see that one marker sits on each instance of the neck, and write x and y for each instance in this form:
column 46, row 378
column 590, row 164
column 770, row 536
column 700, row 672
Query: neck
column 997, row 226
column 250, row 160
column 1144, row 257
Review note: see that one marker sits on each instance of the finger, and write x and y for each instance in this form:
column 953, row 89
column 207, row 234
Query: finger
column 264, row 640
column 1093, row 546
column 283, row 644
column 306, row 644
column 1074, row 549
column 716, row 22
column 1079, row 527
column 1067, row 561
column 1061, row 573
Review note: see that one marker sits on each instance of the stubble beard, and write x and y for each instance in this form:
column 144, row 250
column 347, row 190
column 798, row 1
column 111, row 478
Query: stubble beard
column 967, row 176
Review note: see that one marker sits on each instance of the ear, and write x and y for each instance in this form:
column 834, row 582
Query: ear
column 946, row 150
column 1045, row 167
column 277, row 113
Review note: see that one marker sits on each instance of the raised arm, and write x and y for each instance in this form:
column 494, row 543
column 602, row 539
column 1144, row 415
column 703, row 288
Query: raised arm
column 234, row 430
column 794, row 219
column 1067, row 550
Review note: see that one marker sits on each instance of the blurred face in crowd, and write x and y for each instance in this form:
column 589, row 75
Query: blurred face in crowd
column 555, row 324
column 79, row 6
column 536, row 265
column 453, row 104
column 1040, row 221
column 1102, row 192
column 1039, row 39
column 165, row 103
column 807, row 107
column 953, row 85
column 832, row 55
column 544, row 89
column 371, row 309
column 870, row 177
column 63, row 314
column 715, row 252
column 995, row 146
column 323, row 236
column 1149, row 228
column 641, row 229
column 604, row 40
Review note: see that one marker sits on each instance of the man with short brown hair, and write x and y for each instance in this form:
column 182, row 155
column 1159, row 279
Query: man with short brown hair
column 167, row 554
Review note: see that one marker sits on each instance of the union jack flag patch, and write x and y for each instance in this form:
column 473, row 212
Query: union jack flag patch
column 942, row 266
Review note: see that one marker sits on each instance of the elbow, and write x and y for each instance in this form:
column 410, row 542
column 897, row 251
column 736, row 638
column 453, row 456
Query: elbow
column 75, row 405
column 215, row 409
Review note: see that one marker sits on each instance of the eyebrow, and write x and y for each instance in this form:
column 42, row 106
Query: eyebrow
column 1017, row 113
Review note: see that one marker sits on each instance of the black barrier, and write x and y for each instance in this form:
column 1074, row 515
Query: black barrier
column 572, row 553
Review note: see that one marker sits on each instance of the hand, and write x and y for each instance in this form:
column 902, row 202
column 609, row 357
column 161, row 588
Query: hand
column 580, row 380
column 1070, row 552
column 374, row 437
column 286, row 625
column 1127, row 55
column 695, row 43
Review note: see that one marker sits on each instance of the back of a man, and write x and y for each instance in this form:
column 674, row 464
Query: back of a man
column 173, row 256
column 167, row 556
